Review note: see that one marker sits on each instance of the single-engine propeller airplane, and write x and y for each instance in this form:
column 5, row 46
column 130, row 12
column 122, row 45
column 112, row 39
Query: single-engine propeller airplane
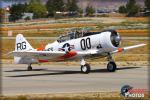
column 73, row 45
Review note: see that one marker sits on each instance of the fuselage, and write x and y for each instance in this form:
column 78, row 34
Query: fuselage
column 73, row 45
column 100, row 42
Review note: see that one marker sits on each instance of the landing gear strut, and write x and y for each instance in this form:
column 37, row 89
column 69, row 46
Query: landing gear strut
column 111, row 66
column 29, row 67
column 85, row 68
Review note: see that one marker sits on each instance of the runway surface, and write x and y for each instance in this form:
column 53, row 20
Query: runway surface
column 68, row 79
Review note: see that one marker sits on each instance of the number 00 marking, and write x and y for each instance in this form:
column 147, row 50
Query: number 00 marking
column 85, row 44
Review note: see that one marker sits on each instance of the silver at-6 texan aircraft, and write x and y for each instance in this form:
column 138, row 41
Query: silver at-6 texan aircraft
column 73, row 45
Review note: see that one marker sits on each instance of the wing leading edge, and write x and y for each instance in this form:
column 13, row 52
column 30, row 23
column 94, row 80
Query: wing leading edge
column 127, row 48
column 37, row 54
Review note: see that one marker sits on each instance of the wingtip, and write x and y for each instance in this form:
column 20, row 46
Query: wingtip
column 143, row 44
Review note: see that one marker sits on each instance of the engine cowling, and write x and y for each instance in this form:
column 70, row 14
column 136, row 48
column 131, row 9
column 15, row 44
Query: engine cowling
column 115, row 38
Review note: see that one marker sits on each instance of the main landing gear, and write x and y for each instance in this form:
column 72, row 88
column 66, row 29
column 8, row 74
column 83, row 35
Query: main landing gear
column 111, row 66
column 29, row 67
column 85, row 68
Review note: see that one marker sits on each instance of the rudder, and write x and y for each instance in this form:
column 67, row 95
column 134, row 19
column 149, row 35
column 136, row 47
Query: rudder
column 22, row 44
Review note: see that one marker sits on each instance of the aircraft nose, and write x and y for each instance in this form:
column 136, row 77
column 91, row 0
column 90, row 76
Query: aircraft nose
column 115, row 39
column 118, row 39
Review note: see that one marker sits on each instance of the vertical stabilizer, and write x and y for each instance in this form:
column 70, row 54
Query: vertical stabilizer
column 22, row 44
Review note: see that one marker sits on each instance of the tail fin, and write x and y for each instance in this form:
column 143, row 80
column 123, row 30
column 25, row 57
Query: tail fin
column 22, row 44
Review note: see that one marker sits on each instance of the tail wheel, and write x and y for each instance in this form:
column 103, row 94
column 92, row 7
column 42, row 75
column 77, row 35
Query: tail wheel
column 111, row 66
column 29, row 68
column 85, row 68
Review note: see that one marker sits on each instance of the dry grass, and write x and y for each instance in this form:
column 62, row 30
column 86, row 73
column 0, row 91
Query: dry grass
column 144, row 49
column 34, row 30
column 73, row 96
column 126, row 32
column 56, row 33
column 139, row 19
column 131, row 57
column 60, row 25
column 35, row 33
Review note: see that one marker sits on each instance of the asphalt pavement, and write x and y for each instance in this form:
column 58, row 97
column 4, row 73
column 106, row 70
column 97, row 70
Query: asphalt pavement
column 46, row 79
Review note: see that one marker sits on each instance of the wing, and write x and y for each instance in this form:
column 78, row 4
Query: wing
column 38, row 54
column 51, row 54
column 44, row 54
column 126, row 48
column 63, row 54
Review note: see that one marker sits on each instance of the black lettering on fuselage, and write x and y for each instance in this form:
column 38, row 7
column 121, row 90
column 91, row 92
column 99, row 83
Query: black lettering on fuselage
column 85, row 43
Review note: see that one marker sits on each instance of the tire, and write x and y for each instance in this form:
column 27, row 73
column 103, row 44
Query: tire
column 29, row 68
column 85, row 68
column 111, row 67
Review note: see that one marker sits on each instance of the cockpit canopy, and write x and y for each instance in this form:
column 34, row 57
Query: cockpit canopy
column 70, row 35
column 77, row 34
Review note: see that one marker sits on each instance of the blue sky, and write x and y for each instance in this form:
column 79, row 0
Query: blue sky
column 4, row 4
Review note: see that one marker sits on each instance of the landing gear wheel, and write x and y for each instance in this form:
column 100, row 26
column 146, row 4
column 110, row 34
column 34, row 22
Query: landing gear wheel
column 111, row 67
column 29, row 68
column 85, row 68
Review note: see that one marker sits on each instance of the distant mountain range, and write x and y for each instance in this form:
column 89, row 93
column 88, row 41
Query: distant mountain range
column 99, row 4
column 106, row 4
